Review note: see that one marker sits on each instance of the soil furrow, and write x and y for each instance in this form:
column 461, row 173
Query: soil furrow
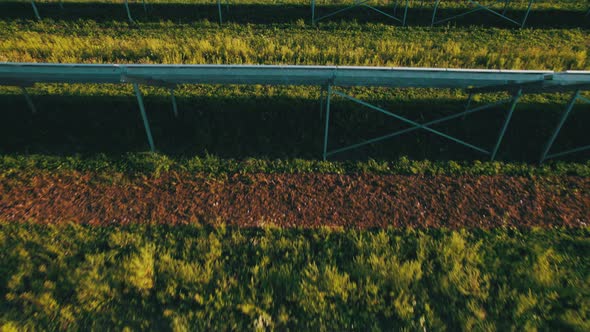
column 304, row 200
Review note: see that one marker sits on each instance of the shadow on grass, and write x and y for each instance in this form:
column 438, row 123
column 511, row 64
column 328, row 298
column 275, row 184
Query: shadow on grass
column 275, row 127
column 268, row 14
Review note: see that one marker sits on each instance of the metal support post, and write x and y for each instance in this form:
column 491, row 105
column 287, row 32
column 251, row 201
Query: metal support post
column 144, row 6
column 564, row 117
column 219, row 11
column 146, row 124
column 515, row 100
column 61, row 4
column 434, row 12
column 406, row 13
column 128, row 11
column 526, row 15
column 312, row 12
column 328, row 96
column 35, row 10
column 174, row 106
column 322, row 93
column 29, row 100
column 468, row 104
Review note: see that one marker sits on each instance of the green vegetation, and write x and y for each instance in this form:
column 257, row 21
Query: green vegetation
column 138, row 277
column 346, row 43
column 545, row 4
column 191, row 277
column 151, row 164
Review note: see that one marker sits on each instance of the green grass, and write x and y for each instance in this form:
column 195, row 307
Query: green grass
column 151, row 164
column 332, row 44
column 191, row 277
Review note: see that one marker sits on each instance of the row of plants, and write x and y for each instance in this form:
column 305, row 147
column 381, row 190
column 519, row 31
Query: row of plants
column 194, row 278
column 346, row 43
column 545, row 4
column 153, row 164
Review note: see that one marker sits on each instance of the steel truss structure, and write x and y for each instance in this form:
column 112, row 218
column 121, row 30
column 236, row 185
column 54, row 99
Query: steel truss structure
column 128, row 10
column 398, row 13
column 330, row 78
column 402, row 5
column 479, row 6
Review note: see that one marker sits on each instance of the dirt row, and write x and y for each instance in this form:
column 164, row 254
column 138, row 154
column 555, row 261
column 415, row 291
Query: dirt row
column 307, row 200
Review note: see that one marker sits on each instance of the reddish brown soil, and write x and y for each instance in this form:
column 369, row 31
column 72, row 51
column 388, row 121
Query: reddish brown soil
column 358, row 201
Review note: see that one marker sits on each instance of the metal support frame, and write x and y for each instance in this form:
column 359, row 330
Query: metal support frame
column 174, row 106
column 424, row 126
column 126, row 2
column 364, row 3
column 29, row 100
column 128, row 11
column 570, row 106
column 481, row 7
column 35, row 10
column 146, row 123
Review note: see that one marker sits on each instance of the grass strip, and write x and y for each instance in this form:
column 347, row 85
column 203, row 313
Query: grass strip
column 347, row 43
column 153, row 164
column 190, row 277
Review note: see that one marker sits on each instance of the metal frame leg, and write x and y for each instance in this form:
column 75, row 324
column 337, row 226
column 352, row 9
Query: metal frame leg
column 468, row 104
column 35, row 10
column 146, row 123
column 174, row 105
column 322, row 93
column 328, row 96
column 515, row 100
column 570, row 106
column 528, row 11
column 144, row 6
column 29, row 100
column 434, row 11
column 219, row 11
column 128, row 11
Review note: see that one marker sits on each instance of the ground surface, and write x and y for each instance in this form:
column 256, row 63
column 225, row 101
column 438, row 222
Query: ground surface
column 259, row 240
column 303, row 200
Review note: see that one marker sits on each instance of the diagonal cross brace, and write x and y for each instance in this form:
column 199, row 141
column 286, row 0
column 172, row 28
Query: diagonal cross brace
column 426, row 126
column 146, row 123
column 360, row 3
column 570, row 106
column 480, row 7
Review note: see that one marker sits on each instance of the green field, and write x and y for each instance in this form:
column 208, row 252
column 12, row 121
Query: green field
column 59, row 275
column 191, row 277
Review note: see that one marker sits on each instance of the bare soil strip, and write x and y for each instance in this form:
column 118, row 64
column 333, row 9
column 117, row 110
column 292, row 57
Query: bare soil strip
column 299, row 200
